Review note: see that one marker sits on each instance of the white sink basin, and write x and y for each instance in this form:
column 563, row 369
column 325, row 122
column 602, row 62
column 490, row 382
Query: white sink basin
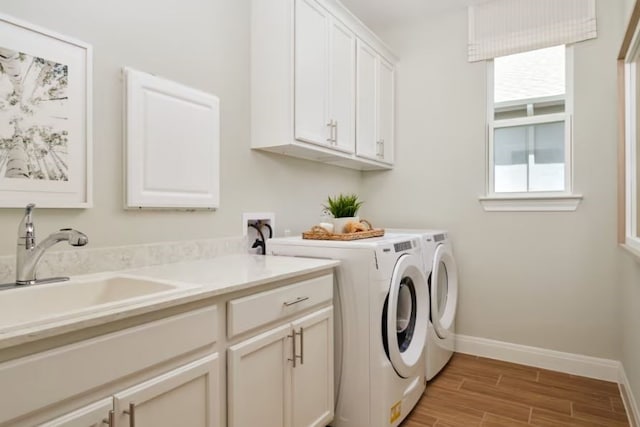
column 38, row 304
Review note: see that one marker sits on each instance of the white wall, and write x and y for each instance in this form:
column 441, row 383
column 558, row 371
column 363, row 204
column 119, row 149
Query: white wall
column 630, row 282
column 541, row 279
column 201, row 43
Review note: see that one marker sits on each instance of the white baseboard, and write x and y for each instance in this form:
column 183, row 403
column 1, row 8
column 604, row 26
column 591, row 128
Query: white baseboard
column 630, row 403
column 576, row 364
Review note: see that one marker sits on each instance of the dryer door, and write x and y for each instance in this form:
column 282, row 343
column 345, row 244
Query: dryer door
column 443, row 287
column 404, row 320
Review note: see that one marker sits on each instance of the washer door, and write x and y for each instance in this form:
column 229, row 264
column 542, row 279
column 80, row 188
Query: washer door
column 404, row 320
column 443, row 288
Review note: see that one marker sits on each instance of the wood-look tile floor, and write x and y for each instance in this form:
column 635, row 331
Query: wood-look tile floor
column 475, row 391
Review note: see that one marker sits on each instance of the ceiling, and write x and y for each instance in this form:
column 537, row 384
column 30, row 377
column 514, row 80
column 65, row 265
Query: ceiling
column 381, row 14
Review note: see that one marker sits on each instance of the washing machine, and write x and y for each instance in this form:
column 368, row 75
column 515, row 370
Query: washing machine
column 380, row 323
column 442, row 279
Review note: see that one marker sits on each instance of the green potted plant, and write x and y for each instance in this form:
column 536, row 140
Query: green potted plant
column 344, row 209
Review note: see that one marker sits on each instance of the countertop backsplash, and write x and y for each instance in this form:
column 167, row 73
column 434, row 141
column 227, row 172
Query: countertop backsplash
column 87, row 260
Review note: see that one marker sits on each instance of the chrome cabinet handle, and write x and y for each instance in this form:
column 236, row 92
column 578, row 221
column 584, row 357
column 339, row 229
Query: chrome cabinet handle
column 330, row 126
column 335, row 132
column 380, row 148
column 301, row 345
column 293, row 354
column 296, row 301
column 109, row 421
column 293, row 339
column 132, row 414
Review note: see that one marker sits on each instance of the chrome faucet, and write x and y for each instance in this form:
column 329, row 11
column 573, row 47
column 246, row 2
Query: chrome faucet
column 28, row 254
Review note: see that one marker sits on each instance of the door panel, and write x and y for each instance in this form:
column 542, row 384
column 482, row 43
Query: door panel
column 366, row 93
column 259, row 380
column 92, row 415
column 407, row 315
column 342, row 68
column 311, row 72
column 385, row 110
column 312, row 395
column 444, row 278
column 185, row 396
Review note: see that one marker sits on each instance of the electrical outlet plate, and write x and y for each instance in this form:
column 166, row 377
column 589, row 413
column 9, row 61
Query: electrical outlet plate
column 252, row 233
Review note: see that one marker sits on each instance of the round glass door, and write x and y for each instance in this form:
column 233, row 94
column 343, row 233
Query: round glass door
column 405, row 316
column 443, row 286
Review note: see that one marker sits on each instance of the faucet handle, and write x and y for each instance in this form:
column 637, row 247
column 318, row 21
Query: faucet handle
column 26, row 230
column 28, row 221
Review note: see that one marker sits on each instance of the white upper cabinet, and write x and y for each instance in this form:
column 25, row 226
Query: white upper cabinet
column 342, row 65
column 311, row 73
column 304, row 97
column 375, row 105
column 366, row 122
column 385, row 110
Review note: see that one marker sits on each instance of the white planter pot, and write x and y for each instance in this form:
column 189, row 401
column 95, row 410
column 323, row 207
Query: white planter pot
column 339, row 223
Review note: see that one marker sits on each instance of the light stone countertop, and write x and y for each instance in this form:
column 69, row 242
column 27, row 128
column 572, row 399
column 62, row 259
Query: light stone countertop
column 197, row 280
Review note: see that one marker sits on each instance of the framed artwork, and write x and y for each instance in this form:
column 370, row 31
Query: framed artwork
column 45, row 118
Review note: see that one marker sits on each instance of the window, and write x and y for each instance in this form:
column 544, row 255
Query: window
column 629, row 67
column 529, row 125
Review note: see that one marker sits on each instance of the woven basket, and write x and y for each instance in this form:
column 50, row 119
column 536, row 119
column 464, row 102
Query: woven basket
column 319, row 233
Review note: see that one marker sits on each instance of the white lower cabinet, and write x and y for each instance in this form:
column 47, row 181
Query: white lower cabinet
column 276, row 354
column 283, row 377
column 94, row 415
column 185, row 396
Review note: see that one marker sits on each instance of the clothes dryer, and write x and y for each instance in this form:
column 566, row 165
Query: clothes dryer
column 380, row 325
column 442, row 279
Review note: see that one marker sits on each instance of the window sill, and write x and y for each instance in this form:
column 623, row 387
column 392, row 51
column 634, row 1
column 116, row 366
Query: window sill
column 633, row 249
column 531, row 203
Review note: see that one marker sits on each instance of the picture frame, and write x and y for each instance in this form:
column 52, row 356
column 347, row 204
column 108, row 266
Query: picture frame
column 45, row 117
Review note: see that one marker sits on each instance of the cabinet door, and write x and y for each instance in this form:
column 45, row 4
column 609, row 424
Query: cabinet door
column 187, row 396
column 366, row 127
column 94, row 415
column 385, row 111
column 311, row 72
column 342, row 90
column 259, row 380
column 312, row 393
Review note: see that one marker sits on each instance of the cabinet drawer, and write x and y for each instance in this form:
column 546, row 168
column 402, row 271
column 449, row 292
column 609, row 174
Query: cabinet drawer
column 244, row 314
column 61, row 373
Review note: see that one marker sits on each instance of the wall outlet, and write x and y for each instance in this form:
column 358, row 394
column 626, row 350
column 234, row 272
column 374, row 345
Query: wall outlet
column 255, row 218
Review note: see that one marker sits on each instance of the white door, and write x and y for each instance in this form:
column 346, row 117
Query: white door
column 407, row 315
column 312, row 388
column 259, row 380
column 443, row 287
column 342, row 80
column 311, row 73
column 385, row 111
column 94, row 415
column 187, row 396
column 366, row 95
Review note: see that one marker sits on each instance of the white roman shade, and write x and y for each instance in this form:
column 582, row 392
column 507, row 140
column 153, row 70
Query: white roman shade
column 505, row 27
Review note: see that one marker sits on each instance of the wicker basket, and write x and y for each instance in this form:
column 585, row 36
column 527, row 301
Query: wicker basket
column 319, row 233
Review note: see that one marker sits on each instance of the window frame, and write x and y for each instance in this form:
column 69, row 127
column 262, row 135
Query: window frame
column 531, row 200
column 629, row 144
